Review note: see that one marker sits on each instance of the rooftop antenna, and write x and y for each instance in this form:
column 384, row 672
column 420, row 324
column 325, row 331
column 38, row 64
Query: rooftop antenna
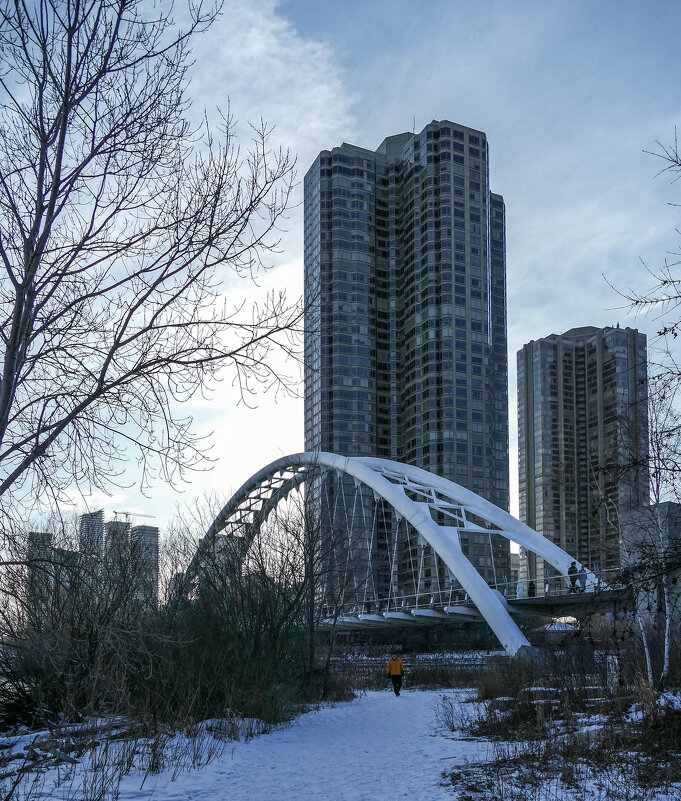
column 413, row 125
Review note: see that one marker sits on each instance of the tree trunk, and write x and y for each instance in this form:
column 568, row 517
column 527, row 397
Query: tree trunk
column 646, row 646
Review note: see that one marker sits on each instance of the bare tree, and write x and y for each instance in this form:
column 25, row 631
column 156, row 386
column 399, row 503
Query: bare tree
column 234, row 613
column 662, row 302
column 651, row 540
column 305, row 542
column 653, row 552
column 120, row 224
column 267, row 580
column 74, row 626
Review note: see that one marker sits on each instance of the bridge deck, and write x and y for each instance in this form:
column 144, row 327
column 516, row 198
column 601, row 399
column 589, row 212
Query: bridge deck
column 565, row 605
column 572, row 605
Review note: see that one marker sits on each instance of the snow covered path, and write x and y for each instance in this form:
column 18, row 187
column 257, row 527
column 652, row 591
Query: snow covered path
column 377, row 746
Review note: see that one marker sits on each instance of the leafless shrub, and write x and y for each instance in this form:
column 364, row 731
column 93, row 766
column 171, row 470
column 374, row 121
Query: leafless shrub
column 448, row 713
column 563, row 725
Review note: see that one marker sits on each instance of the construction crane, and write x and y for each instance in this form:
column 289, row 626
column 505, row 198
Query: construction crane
column 129, row 514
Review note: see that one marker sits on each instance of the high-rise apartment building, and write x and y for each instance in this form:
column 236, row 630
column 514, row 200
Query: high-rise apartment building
column 117, row 537
column 406, row 324
column 39, row 557
column 582, row 441
column 108, row 553
column 144, row 545
column 91, row 534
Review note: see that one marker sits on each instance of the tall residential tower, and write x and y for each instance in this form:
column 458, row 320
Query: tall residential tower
column 406, row 324
column 582, row 440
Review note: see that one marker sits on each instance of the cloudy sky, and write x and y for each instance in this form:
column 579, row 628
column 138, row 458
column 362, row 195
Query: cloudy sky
column 570, row 94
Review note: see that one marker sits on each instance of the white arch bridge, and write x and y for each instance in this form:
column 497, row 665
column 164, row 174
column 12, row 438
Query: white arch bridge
column 386, row 538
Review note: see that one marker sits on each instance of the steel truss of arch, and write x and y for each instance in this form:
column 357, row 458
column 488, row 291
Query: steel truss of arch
column 420, row 498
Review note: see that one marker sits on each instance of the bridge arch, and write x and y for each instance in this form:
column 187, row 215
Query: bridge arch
column 400, row 485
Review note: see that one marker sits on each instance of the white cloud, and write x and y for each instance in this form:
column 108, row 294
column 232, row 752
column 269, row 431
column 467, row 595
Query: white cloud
column 569, row 96
column 255, row 58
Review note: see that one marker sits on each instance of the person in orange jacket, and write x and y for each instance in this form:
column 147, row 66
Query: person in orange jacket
column 396, row 672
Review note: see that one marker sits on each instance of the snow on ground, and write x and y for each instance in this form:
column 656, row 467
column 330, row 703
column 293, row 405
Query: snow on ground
column 373, row 747
column 666, row 701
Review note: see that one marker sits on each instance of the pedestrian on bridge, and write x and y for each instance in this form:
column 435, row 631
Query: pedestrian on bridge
column 572, row 575
column 582, row 578
column 396, row 672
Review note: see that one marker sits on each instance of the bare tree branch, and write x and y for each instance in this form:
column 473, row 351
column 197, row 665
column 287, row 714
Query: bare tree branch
column 120, row 227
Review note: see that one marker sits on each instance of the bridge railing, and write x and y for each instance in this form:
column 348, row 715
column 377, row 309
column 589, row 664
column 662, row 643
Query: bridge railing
column 439, row 599
column 558, row 585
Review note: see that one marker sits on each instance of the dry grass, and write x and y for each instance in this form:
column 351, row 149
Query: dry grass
column 560, row 731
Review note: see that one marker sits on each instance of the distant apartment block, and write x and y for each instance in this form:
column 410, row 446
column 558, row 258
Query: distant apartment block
column 116, row 536
column 144, row 545
column 132, row 551
column 54, row 574
column 91, row 534
column 39, row 557
column 107, row 552
column 582, row 441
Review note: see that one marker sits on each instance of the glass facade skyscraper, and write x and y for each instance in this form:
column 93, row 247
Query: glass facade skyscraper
column 582, row 441
column 405, row 284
